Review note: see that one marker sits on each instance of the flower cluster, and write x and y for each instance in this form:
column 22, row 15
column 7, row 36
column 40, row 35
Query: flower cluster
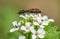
column 33, row 24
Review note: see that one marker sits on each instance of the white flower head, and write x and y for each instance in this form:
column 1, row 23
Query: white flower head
column 27, row 24
column 26, row 28
column 40, row 33
column 16, row 26
column 22, row 37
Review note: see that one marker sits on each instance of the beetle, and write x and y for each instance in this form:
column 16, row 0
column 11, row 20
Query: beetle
column 35, row 10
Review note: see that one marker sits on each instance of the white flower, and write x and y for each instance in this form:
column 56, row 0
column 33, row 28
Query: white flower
column 22, row 16
column 51, row 20
column 27, row 16
column 13, row 29
column 43, row 24
column 35, row 23
column 44, row 18
column 36, row 16
column 14, row 23
column 31, row 15
column 38, row 19
column 22, row 37
column 27, row 27
column 16, row 26
column 40, row 33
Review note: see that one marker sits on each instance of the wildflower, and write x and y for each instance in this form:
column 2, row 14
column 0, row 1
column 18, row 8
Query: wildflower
column 16, row 26
column 40, row 33
column 26, row 27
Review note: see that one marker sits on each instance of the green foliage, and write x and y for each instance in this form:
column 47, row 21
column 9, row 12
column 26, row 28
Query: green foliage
column 52, row 32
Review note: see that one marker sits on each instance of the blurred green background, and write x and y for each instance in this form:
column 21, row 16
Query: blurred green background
column 9, row 8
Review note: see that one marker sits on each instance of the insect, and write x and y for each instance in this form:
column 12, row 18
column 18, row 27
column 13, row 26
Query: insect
column 35, row 10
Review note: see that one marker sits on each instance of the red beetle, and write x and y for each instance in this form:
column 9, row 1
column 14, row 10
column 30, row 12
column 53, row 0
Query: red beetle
column 34, row 10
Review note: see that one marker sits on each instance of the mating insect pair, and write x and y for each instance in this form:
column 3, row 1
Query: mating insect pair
column 30, row 11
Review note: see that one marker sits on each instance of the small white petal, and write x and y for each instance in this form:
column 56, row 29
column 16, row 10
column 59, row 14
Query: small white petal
column 44, row 18
column 34, row 18
column 22, row 16
column 27, row 24
column 14, row 23
column 35, row 23
column 27, row 30
column 42, row 26
column 45, row 23
column 23, row 28
column 27, row 16
column 51, row 20
column 39, row 15
column 33, row 30
column 39, row 19
column 12, row 30
column 22, row 37
column 31, row 15
column 41, row 31
column 17, row 28
column 19, row 23
column 34, row 36
column 36, row 15
column 41, row 36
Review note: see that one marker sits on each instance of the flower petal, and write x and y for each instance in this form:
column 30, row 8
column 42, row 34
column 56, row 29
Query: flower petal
column 12, row 30
column 22, row 16
column 22, row 37
column 41, row 31
column 44, row 18
column 39, row 15
column 23, row 28
column 38, row 19
column 51, row 20
column 42, row 26
column 32, row 30
column 19, row 23
column 45, row 23
column 41, row 36
column 34, row 36
column 14, row 23
column 35, row 23
column 27, row 24
column 27, row 30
